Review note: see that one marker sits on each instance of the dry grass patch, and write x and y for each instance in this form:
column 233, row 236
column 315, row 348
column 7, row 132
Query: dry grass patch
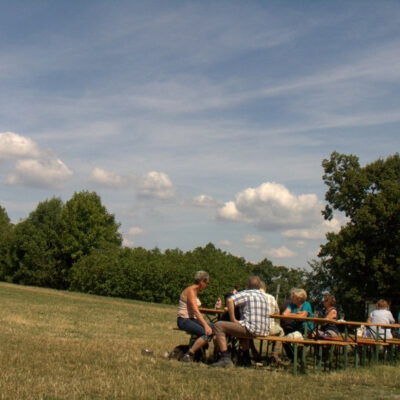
column 62, row 345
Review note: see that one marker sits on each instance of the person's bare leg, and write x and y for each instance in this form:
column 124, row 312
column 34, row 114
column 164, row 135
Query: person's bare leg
column 220, row 340
column 198, row 344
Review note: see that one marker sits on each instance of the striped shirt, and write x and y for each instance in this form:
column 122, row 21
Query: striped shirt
column 255, row 311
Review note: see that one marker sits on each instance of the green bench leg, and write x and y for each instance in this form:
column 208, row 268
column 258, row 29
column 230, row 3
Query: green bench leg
column 363, row 355
column 355, row 357
column 391, row 353
column 330, row 358
column 303, row 359
column 295, row 359
column 319, row 358
column 346, row 336
column 377, row 353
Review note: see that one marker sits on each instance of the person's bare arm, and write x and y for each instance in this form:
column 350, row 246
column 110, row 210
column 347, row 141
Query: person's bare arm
column 288, row 312
column 302, row 313
column 231, row 310
column 331, row 314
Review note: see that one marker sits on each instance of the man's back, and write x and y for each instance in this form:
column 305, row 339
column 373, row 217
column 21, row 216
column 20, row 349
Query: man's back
column 255, row 311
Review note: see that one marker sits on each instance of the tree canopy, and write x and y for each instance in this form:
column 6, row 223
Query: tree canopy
column 362, row 261
column 35, row 247
column 5, row 238
column 85, row 225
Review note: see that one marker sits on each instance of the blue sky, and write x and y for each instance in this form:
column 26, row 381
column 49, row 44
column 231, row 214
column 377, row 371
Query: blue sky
column 196, row 121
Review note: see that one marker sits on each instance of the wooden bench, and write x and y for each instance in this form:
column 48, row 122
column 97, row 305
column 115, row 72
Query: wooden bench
column 303, row 343
column 296, row 344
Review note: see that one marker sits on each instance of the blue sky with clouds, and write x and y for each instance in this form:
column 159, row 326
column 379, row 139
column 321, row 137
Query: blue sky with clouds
column 196, row 121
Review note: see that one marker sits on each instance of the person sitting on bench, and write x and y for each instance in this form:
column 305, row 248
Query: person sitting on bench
column 254, row 322
column 329, row 311
column 381, row 315
column 301, row 308
column 190, row 318
column 275, row 328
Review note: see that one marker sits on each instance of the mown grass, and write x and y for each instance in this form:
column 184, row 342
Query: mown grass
column 62, row 345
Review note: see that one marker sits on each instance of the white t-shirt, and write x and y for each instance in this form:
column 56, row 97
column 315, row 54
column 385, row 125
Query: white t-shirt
column 380, row 317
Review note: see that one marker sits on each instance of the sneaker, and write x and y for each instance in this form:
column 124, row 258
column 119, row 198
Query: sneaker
column 188, row 358
column 223, row 362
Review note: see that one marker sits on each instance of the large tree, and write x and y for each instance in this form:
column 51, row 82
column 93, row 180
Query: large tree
column 86, row 225
column 362, row 261
column 5, row 237
column 36, row 247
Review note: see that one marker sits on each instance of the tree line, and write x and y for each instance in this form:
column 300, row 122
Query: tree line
column 77, row 246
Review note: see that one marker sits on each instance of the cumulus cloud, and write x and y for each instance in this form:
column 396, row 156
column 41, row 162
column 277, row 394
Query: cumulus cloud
column 271, row 206
column 316, row 232
column 230, row 212
column 34, row 166
column 253, row 241
column 136, row 231
column 204, row 201
column 105, row 178
column 45, row 172
column 156, row 185
column 281, row 252
column 15, row 147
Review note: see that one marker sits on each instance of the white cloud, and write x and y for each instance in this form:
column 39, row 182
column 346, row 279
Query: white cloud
column 34, row 167
column 315, row 232
column 224, row 243
column 281, row 252
column 271, row 206
column 136, row 231
column 14, row 147
column 229, row 212
column 253, row 241
column 204, row 201
column 45, row 172
column 155, row 184
column 105, row 178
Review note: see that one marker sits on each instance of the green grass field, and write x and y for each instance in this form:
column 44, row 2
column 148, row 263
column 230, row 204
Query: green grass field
column 62, row 345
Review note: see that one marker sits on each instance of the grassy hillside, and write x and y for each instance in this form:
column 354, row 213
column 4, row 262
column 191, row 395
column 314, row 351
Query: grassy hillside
column 62, row 345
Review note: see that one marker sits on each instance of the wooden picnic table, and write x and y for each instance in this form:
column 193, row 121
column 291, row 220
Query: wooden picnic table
column 375, row 341
column 353, row 340
column 296, row 343
column 319, row 321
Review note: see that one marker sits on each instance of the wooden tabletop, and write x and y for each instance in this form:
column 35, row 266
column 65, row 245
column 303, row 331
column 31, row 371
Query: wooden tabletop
column 333, row 321
column 318, row 321
column 212, row 311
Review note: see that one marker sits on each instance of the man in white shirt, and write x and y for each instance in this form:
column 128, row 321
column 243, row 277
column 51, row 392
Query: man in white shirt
column 275, row 328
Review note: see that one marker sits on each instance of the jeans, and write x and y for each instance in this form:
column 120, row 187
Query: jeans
column 191, row 325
